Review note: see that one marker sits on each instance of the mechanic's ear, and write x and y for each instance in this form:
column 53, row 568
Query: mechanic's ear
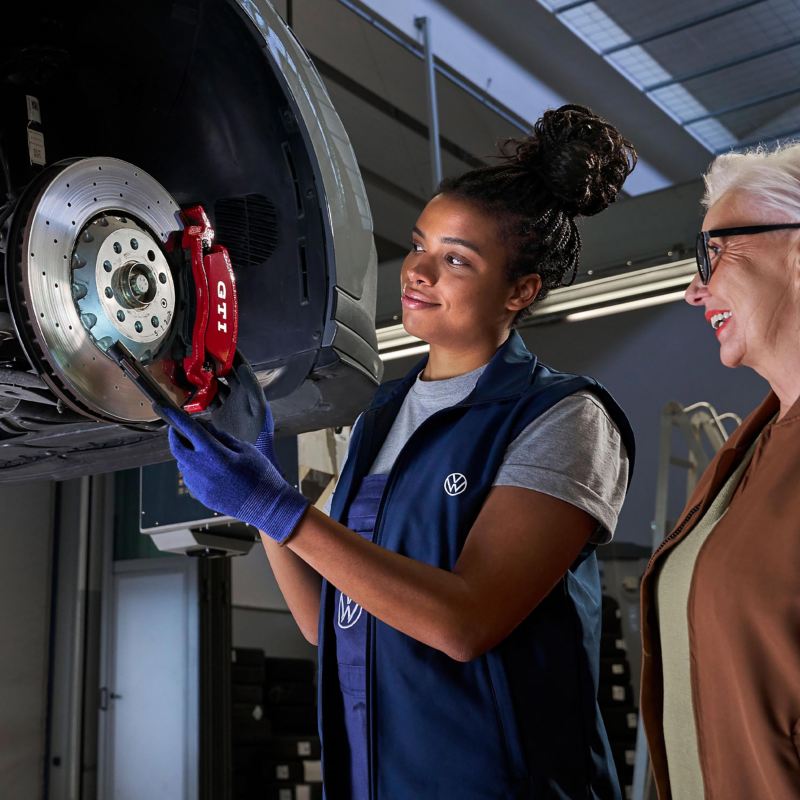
column 524, row 292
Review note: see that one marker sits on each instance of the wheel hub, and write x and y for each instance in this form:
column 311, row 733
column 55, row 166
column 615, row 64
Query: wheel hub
column 123, row 286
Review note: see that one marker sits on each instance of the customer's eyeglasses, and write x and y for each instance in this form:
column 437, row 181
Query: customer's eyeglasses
column 704, row 266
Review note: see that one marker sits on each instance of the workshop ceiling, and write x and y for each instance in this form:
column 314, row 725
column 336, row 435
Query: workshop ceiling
column 682, row 80
column 725, row 70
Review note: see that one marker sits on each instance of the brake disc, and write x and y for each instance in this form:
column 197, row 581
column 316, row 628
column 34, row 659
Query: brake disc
column 91, row 269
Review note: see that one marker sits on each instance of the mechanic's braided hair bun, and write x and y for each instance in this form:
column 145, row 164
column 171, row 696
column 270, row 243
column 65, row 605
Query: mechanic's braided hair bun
column 572, row 164
column 582, row 159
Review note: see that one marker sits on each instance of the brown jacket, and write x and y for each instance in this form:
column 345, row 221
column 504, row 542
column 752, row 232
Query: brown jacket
column 744, row 621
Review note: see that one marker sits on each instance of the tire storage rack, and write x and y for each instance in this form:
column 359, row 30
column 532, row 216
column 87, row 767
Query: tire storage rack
column 615, row 695
column 275, row 747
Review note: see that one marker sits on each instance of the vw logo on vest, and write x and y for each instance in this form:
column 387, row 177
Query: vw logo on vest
column 349, row 612
column 455, row 483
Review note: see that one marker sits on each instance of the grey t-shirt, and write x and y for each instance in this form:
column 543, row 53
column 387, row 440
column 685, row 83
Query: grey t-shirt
column 573, row 451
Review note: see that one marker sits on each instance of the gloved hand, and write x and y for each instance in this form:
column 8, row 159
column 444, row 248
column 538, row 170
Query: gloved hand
column 265, row 441
column 233, row 477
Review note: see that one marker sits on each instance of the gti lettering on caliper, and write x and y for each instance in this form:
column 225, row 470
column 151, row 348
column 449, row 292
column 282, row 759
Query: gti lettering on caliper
column 222, row 307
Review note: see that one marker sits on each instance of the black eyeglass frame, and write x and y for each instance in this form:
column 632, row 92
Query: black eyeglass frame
column 701, row 246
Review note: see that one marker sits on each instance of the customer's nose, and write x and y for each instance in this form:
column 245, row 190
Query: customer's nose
column 696, row 292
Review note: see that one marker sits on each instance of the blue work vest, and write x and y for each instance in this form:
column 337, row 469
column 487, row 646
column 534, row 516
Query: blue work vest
column 522, row 720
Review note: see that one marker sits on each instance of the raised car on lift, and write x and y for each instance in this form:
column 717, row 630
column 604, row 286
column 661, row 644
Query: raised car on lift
column 173, row 177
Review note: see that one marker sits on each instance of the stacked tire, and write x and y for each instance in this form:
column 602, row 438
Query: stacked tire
column 615, row 695
column 276, row 751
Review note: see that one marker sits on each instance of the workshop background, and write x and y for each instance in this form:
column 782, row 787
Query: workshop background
column 107, row 679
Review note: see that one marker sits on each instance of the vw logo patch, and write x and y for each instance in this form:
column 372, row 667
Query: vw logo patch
column 349, row 612
column 455, row 483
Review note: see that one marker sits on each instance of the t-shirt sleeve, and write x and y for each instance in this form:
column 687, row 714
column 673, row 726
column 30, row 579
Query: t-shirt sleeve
column 574, row 452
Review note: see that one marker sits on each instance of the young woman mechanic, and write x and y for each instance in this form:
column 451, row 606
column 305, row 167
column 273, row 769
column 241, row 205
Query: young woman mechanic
column 459, row 649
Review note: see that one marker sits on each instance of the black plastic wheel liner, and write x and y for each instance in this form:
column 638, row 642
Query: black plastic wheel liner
column 184, row 91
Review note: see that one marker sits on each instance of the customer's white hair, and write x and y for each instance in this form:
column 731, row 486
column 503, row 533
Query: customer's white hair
column 770, row 176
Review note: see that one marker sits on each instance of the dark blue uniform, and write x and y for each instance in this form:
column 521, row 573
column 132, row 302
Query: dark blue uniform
column 522, row 720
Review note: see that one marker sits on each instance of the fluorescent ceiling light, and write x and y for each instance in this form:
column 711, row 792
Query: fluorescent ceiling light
column 620, row 308
column 408, row 351
column 607, row 291
column 614, row 295
column 394, row 336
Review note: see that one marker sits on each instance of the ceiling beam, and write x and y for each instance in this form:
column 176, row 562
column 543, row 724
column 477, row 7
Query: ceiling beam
column 723, row 65
column 752, row 103
column 682, row 26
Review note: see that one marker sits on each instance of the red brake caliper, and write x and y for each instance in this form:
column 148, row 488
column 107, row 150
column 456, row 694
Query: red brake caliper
column 216, row 322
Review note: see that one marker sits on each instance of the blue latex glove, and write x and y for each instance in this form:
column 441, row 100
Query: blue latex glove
column 233, row 477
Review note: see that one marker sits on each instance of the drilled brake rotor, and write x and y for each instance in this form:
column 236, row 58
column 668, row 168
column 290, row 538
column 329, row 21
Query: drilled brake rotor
column 91, row 269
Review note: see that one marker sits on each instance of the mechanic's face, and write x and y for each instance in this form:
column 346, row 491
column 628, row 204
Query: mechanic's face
column 454, row 288
column 751, row 300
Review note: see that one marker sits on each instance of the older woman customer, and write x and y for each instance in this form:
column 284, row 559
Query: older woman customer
column 721, row 595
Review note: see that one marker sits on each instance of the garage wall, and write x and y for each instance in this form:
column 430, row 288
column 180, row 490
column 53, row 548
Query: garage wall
column 26, row 522
column 261, row 618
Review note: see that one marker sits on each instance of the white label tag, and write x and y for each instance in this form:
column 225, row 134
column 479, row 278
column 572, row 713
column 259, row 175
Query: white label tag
column 304, row 748
column 36, row 147
column 617, row 669
column 34, row 112
column 284, row 794
column 618, row 693
column 282, row 772
column 302, row 792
